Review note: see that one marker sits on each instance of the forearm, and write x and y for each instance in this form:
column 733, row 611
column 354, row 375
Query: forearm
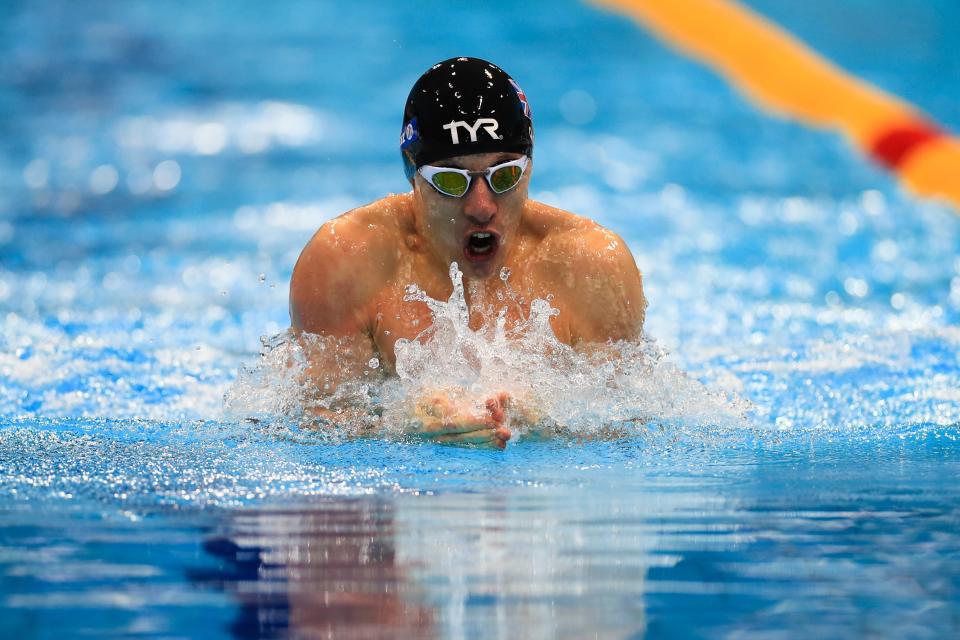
column 358, row 420
column 334, row 378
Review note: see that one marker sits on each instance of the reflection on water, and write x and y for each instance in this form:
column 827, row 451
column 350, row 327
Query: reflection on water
column 327, row 571
column 543, row 540
column 785, row 547
column 454, row 565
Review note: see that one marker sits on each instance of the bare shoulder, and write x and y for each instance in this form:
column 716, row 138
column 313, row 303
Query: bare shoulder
column 344, row 265
column 577, row 242
column 593, row 273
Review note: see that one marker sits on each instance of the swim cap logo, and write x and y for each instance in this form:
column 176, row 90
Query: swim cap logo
column 523, row 98
column 409, row 133
column 489, row 125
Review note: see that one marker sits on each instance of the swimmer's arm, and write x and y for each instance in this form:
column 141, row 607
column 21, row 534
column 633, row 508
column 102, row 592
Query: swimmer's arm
column 340, row 271
column 330, row 362
column 597, row 287
column 337, row 275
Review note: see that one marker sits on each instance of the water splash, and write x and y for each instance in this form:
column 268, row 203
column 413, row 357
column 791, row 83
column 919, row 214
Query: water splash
column 620, row 386
column 272, row 386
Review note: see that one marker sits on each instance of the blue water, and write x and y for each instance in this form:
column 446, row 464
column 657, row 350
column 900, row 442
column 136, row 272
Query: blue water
column 162, row 165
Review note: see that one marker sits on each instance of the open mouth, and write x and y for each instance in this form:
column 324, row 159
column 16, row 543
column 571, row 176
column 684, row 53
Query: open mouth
column 481, row 245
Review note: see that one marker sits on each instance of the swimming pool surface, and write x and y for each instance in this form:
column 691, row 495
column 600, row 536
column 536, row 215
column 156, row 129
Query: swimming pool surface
column 162, row 165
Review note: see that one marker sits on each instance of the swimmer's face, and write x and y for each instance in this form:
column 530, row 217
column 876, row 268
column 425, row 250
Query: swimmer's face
column 477, row 230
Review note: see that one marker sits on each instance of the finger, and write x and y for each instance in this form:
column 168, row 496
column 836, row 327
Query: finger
column 502, row 435
column 451, row 426
column 477, row 437
column 496, row 409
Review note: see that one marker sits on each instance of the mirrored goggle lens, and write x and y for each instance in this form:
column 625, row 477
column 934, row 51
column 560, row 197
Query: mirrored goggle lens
column 505, row 178
column 450, row 182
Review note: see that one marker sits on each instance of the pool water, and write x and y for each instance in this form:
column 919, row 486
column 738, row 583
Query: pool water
column 162, row 165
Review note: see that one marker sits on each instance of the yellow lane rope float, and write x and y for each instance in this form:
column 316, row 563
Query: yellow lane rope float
column 779, row 72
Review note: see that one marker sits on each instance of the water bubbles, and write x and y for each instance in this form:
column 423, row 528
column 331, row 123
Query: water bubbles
column 856, row 287
column 847, row 223
column 104, row 179
column 252, row 128
column 578, row 107
column 139, row 180
column 166, row 175
column 873, row 202
column 210, row 138
column 505, row 273
column 373, row 363
column 885, row 251
column 673, row 196
column 783, row 423
column 37, row 173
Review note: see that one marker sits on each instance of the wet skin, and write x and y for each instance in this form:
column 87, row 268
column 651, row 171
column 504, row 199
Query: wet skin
column 351, row 277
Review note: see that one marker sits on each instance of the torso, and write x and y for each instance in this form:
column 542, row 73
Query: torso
column 379, row 256
column 392, row 318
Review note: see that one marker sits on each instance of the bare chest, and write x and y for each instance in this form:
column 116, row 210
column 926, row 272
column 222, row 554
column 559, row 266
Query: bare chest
column 395, row 316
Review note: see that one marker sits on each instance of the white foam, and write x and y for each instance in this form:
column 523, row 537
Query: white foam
column 620, row 385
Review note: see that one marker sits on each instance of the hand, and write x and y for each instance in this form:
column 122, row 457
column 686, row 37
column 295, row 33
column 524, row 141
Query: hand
column 456, row 422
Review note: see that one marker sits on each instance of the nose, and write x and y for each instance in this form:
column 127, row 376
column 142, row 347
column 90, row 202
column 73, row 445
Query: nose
column 480, row 206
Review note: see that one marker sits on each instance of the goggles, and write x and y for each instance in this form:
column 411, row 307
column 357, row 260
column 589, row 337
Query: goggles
column 456, row 182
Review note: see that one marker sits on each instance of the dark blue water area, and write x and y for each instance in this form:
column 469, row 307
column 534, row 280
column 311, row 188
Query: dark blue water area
column 162, row 165
column 223, row 530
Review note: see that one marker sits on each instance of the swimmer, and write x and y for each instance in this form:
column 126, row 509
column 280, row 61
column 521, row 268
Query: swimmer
column 467, row 149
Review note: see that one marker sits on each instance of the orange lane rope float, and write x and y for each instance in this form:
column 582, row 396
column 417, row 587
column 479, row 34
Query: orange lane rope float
column 780, row 73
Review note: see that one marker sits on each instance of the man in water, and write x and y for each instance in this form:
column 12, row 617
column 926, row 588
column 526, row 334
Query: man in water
column 467, row 147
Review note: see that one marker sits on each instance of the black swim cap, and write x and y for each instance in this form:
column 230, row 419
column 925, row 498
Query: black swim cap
column 462, row 106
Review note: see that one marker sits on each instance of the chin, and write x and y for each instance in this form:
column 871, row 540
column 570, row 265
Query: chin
column 479, row 271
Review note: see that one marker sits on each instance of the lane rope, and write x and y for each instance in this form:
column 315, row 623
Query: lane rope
column 781, row 74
